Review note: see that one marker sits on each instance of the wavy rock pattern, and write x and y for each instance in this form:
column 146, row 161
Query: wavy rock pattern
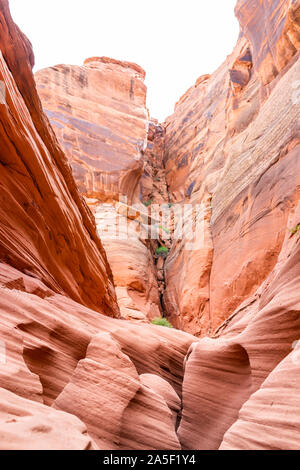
column 99, row 115
column 231, row 146
column 68, row 360
column 46, row 230
column 98, row 112
column 26, row 425
column 242, row 366
column 268, row 420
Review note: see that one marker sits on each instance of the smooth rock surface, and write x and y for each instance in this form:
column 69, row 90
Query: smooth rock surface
column 98, row 112
column 231, row 150
column 46, row 230
column 26, row 425
column 252, row 361
column 73, row 375
column 269, row 420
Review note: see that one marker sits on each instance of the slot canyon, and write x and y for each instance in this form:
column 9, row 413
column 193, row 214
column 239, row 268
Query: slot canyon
column 150, row 271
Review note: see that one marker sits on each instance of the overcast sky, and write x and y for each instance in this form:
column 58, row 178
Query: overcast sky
column 175, row 41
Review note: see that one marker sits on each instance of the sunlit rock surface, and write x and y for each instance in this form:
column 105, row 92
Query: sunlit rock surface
column 46, row 230
column 68, row 360
column 231, row 146
column 52, row 347
column 99, row 114
column 26, row 425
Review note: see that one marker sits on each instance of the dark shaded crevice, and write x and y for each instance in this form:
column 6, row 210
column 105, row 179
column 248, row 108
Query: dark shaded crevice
column 158, row 198
column 51, row 356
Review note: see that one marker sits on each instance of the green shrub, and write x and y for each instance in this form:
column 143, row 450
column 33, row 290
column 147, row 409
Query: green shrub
column 162, row 251
column 295, row 229
column 164, row 229
column 161, row 322
column 147, row 203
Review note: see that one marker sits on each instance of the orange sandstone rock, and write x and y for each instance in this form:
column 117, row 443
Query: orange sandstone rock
column 248, row 371
column 46, row 230
column 231, row 147
column 26, row 425
column 99, row 114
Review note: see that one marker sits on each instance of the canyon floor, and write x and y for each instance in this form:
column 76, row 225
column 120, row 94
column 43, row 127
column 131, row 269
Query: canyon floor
column 113, row 224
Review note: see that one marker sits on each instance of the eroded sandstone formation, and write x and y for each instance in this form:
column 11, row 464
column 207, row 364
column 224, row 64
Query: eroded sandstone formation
column 74, row 373
column 60, row 355
column 46, row 230
column 53, row 268
column 99, row 115
column 232, row 147
column 98, row 112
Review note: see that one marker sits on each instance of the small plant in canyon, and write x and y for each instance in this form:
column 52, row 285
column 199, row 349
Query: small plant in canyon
column 295, row 229
column 166, row 230
column 147, row 203
column 162, row 251
column 161, row 322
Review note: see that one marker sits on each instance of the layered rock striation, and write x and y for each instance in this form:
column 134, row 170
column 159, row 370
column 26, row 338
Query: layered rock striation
column 227, row 269
column 98, row 112
column 46, row 230
column 231, row 147
column 71, row 376
column 100, row 118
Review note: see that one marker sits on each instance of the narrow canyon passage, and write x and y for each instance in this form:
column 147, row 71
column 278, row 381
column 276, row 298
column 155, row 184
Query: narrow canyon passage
column 110, row 220
column 117, row 157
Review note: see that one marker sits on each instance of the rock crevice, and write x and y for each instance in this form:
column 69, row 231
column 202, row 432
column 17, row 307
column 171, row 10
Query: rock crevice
column 90, row 250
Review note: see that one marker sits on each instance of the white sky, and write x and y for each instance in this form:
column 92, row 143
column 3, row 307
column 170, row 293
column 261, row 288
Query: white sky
column 175, row 41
